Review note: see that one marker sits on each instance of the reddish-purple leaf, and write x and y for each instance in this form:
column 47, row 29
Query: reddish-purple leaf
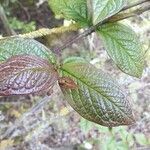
column 26, row 74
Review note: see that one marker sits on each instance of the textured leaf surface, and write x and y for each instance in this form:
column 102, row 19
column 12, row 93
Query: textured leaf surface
column 97, row 97
column 69, row 9
column 26, row 74
column 105, row 8
column 19, row 46
column 124, row 48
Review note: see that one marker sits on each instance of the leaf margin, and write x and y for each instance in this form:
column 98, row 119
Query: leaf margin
column 137, row 72
column 71, row 102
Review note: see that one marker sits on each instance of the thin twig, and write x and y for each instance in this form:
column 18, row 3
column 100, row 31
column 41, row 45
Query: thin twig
column 136, row 12
column 117, row 17
column 135, row 4
column 45, row 31
column 25, row 10
column 4, row 20
column 142, row 10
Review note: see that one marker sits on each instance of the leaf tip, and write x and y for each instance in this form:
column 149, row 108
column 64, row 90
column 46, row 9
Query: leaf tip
column 130, row 120
column 139, row 75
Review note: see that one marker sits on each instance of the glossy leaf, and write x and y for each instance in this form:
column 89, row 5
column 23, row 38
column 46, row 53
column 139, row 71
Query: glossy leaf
column 98, row 98
column 105, row 8
column 124, row 47
column 22, row 46
column 26, row 74
column 75, row 10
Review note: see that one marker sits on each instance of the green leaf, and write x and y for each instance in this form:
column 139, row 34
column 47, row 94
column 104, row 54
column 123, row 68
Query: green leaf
column 124, row 47
column 22, row 46
column 106, row 8
column 69, row 9
column 98, row 98
column 85, row 125
column 141, row 139
column 74, row 59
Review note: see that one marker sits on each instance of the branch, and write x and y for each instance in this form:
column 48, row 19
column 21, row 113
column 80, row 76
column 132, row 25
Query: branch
column 5, row 22
column 135, row 4
column 118, row 17
column 136, row 12
column 45, row 31
column 74, row 27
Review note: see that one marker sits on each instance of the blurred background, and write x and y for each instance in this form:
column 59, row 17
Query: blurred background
column 56, row 126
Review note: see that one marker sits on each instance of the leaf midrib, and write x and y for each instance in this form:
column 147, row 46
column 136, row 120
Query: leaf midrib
column 28, row 69
column 96, row 91
column 123, row 50
column 109, row 15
